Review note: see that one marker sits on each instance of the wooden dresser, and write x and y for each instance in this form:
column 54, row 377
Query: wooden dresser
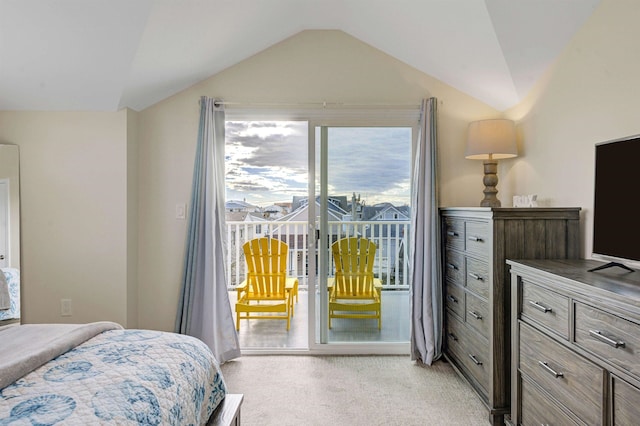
column 476, row 244
column 576, row 344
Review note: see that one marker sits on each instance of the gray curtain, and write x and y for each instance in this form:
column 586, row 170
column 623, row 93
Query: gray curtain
column 426, row 286
column 204, row 310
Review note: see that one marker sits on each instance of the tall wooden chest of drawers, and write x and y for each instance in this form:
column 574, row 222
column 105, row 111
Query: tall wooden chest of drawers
column 476, row 243
column 576, row 344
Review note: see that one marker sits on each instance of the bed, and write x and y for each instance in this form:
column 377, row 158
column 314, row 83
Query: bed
column 100, row 373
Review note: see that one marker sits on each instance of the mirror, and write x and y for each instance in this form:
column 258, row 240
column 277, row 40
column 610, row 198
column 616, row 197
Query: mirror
column 10, row 232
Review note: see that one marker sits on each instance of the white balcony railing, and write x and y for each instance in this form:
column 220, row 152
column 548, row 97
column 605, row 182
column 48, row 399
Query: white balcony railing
column 390, row 237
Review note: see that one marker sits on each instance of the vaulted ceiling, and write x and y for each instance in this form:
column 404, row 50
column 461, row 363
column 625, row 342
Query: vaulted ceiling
column 102, row 55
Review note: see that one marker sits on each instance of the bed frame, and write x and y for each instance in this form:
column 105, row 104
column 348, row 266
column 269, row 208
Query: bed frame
column 228, row 412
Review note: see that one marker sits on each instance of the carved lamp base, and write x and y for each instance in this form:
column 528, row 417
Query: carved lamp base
column 490, row 181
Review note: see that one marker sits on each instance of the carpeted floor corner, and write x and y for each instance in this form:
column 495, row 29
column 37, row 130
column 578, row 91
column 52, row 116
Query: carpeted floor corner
column 351, row 390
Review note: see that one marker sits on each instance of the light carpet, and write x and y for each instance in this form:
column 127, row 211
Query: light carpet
column 351, row 390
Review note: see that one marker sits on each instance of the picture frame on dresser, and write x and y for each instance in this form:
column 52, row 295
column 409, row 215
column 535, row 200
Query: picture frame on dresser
column 476, row 242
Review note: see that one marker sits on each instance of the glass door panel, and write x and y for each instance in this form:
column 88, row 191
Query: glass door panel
column 363, row 176
column 267, row 196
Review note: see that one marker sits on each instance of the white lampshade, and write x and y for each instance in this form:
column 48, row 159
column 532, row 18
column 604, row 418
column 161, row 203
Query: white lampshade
column 491, row 139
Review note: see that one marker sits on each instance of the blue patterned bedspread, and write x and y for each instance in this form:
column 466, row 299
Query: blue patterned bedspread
column 120, row 377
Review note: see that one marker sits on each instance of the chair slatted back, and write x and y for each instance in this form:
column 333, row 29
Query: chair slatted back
column 267, row 267
column 354, row 258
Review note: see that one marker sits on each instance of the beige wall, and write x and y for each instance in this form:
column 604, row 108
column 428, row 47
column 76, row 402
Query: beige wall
column 312, row 66
column 590, row 96
column 73, row 188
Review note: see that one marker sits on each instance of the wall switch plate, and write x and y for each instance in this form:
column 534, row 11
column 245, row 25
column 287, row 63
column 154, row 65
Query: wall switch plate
column 65, row 307
column 181, row 211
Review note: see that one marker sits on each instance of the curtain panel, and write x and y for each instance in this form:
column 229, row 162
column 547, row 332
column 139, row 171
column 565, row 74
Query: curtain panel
column 426, row 286
column 204, row 310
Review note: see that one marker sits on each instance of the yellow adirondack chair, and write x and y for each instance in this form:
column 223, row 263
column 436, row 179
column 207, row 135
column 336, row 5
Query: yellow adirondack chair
column 267, row 293
column 354, row 292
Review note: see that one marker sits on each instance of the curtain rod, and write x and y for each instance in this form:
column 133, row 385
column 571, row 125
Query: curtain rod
column 322, row 104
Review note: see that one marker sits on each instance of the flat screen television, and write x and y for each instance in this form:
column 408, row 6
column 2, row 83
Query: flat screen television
column 616, row 216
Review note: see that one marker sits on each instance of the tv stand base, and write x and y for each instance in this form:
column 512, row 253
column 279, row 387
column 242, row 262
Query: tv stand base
column 611, row 265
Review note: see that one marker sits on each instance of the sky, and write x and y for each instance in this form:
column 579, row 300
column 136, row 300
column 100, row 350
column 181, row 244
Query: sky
column 267, row 162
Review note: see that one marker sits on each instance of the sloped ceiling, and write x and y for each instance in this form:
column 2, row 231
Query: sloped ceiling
column 103, row 55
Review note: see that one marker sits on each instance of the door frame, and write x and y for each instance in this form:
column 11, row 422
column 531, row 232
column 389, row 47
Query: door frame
column 347, row 116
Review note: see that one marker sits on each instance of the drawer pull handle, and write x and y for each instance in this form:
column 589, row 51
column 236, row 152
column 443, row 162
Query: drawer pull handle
column 453, row 337
column 553, row 372
column 539, row 306
column 475, row 360
column 604, row 339
column 472, row 238
column 476, row 276
column 452, row 266
column 452, row 234
column 475, row 315
column 452, row 299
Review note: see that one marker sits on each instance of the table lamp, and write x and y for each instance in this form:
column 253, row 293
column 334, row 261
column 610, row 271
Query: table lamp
column 491, row 140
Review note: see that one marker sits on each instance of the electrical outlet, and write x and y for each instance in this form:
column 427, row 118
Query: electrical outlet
column 65, row 307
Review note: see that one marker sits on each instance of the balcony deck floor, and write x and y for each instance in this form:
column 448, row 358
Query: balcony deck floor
column 268, row 334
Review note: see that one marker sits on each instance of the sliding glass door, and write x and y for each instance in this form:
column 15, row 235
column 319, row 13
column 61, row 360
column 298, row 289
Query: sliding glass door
column 311, row 185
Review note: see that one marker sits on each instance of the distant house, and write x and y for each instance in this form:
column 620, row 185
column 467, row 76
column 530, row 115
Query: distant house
column 285, row 205
column 385, row 211
column 335, row 210
column 247, row 226
column 337, row 204
column 274, row 211
column 240, row 206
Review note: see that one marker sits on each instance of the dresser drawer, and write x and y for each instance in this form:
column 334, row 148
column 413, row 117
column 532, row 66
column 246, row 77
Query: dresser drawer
column 455, row 336
column 538, row 409
column 477, row 277
column 572, row 380
column 477, row 314
column 615, row 339
column 546, row 307
column 455, row 299
column 477, row 238
column 626, row 402
column 454, row 233
column 454, row 267
column 470, row 350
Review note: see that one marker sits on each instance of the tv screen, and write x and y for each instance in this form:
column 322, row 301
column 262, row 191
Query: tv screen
column 616, row 219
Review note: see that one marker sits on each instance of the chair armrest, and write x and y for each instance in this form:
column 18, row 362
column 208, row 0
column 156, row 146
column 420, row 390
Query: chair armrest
column 330, row 282
column 377, row 284
column 291, row 283
column 241, row 288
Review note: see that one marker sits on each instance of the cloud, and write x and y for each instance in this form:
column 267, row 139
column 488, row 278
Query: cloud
column 268, row 161
column 372, row 161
